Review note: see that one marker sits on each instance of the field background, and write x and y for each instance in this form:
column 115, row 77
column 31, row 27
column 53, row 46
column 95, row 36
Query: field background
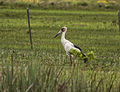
column 46, row 67
column 65, row 4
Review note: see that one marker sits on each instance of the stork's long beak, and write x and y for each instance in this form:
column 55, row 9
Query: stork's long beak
column 58, row 34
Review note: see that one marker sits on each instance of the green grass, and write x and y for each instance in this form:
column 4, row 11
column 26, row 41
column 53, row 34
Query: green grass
column 46, row 67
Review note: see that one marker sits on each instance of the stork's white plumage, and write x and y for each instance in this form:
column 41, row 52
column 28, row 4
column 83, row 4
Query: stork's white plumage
column 67, row 44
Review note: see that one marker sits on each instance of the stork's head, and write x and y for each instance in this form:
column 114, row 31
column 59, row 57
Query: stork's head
column 63, row 29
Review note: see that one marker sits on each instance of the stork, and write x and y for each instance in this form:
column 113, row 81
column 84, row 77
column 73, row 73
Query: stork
column 68, row 45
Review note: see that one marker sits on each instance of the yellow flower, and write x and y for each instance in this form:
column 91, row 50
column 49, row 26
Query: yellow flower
column 102, row 1
column 28, row 0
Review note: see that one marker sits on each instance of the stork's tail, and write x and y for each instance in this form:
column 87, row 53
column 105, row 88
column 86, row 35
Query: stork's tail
column 88, row 56
column 85, row 60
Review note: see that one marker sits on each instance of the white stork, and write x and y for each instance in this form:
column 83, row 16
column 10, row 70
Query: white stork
column 68, row 45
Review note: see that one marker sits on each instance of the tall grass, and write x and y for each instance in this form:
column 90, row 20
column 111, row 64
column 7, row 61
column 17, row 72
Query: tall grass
column 21, row 72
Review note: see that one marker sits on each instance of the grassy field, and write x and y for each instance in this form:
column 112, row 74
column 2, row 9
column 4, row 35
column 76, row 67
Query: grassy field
column 46, row 67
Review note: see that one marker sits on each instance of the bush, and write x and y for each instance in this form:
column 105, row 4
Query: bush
column 84, row 4
column 109, row 7
column 1, row 2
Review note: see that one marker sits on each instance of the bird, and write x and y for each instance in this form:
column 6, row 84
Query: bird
column 69, row 45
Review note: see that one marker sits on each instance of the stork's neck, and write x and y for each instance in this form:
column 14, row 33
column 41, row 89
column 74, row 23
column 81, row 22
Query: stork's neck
column 63, row 35
column 63, row 40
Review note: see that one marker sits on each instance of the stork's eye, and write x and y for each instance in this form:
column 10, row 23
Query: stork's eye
column 63, row 29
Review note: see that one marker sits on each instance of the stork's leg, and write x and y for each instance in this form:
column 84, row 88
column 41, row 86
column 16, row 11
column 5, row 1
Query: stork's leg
column 74, row 62
column 71, row 60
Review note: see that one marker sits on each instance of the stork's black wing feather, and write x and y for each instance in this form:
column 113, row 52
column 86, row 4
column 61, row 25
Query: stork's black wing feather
column 85, row 60
column 79, row 49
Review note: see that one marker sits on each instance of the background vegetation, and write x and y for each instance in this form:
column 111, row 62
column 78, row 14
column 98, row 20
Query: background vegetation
column 65, row 4
column 46, row 67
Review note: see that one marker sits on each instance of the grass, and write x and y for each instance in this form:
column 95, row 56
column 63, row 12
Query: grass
column 46, row 67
